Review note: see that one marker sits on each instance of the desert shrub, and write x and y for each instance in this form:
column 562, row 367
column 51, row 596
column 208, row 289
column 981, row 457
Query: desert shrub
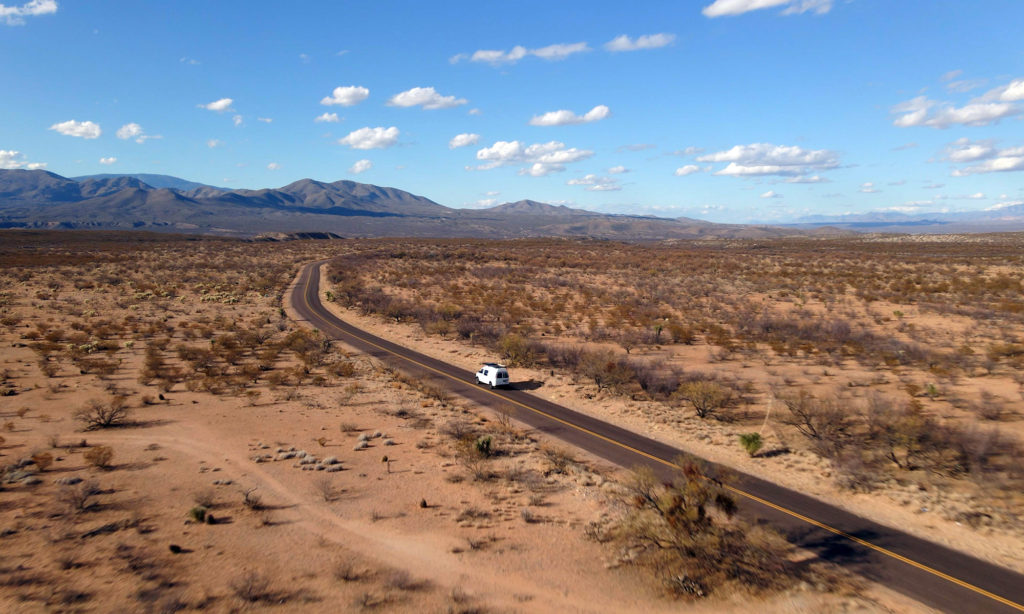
column 42, row 460
column 681, row 334
column 656, row 382
column 99, row 456
column 827, row 426
column 751, row 442
column 251, row 500
column 252, row 587
column 470, row 454
column 563, row 355
column 401, row 580
column 688, row 532
column 346, row 571
column 516, row 351
column 457, row 429
column 77, row 498
column 205, row 498
column 606, row 371
column 558, row 458
column 325, row 488
column 198, row 514
column 484, row 445
column 99, row 414
column 706, row 397
column 342, row 368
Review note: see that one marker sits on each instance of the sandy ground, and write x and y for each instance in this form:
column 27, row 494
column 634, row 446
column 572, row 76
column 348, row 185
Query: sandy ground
column 415, row 533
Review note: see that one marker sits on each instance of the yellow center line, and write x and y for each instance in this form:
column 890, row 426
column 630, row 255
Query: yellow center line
column 308, row 292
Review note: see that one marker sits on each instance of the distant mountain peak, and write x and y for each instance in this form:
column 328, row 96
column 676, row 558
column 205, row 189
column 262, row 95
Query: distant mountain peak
column 154, row 180
column 533, row 207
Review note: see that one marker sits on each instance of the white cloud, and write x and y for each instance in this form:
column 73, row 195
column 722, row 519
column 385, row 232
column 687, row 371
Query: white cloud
column 497, row 57
column 596, row 183
column 214, row 143
column 371, row 138
column 108, row 161
column 565, row 118
column 346, row 96
column 330, row 118
column 464, row 139
column 689, row 169
column 265, row 120
column 560, row 51
column 128, row 131
column 483, row 203
column 1007, row 160
column 868, row 188
column 360, row 166
column 542, row 158
column 768, row 159
column 135, row 131
column 990, row 108
column 1011, row 92
column 647, row 41
column 426, row 97
column 808, row 179
column 617, row 170
column 771, row 194
column 474, row 112
column 273, row 166
column 911, row 206
column 636, row 147
column 922, row 111
column 965, row 85
column 224, row 104
column 10, row 159
column 966, row 150
column 990, row 158
column 84, row 130
column 15, row 15
column 237, row 120
column 724, row 8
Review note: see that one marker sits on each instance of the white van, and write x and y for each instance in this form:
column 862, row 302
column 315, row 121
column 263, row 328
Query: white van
column 492, row 374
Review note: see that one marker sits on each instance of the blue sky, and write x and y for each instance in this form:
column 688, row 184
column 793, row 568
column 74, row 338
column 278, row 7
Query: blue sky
column 725, row 110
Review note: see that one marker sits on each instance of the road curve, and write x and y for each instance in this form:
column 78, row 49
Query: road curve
column 932, row 574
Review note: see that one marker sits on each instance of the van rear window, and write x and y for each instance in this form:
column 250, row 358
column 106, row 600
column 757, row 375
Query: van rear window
column 503, row 374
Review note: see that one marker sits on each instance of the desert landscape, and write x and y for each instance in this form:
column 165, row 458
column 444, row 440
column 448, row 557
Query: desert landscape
column 741, row 283
column 882, row 372
column 174, row 442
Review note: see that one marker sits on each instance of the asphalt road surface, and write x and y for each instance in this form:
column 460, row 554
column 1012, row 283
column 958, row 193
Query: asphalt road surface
column 932, row 574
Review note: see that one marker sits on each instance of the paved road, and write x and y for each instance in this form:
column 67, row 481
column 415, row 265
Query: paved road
column 937, row 576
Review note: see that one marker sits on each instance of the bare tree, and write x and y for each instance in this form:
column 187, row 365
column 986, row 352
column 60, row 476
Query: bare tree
column 828, row 426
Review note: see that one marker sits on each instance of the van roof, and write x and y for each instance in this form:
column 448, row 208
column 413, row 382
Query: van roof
column 494, row 364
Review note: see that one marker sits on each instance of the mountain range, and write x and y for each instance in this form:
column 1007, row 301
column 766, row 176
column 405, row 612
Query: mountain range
column 1008, row 216
column 41, row 199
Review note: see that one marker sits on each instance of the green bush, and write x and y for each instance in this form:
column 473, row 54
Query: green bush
column 198, row 514
column 483, row 446
column 752, row 443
